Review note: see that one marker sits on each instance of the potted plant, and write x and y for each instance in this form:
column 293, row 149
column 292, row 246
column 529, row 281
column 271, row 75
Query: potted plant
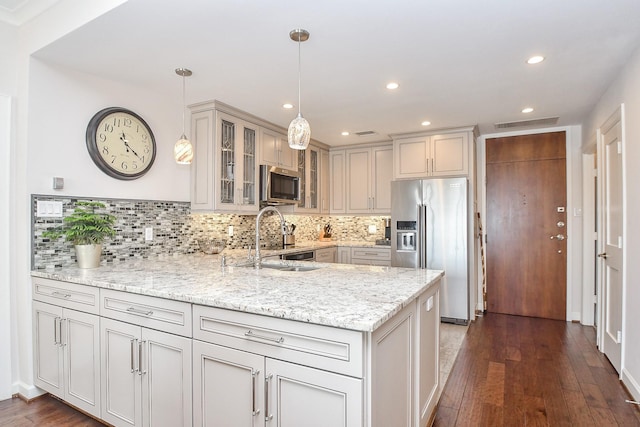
column 86, row 229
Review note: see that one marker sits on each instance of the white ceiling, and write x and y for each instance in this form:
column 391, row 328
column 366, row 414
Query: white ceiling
column 458, row 62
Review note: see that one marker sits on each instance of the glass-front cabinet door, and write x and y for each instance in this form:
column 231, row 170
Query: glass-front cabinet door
column 236, row 164
column 308, row 166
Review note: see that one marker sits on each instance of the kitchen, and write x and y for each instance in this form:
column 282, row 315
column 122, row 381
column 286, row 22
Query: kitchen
column 37, row 160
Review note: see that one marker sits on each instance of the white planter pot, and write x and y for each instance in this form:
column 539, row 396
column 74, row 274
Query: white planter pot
column 88, row 255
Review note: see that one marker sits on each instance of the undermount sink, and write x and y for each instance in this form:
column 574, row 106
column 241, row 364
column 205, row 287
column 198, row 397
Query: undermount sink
column 289, row 267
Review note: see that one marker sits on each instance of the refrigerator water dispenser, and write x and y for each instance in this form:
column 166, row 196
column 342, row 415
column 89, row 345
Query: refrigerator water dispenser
column 406, row 236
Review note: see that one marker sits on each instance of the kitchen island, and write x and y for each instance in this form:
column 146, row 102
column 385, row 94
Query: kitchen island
column 331, row 344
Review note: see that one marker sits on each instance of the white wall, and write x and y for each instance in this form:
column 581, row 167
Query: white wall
column 626, row 89
column 574, row 221
column 8, row 89
column 61, row 103
column 5, row 288
column 62, row 18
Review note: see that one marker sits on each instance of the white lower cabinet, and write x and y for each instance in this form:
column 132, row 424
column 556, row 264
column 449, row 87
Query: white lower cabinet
column 146, row 376
column 66, row 333
column 327, row 254
column 371, row 256
column 238, row 388
column 66, row 355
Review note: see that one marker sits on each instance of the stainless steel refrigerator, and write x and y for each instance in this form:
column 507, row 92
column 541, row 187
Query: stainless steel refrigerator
column 429, row 219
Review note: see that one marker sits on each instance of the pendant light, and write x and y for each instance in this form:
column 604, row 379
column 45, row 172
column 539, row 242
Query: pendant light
column 299, row 131
column 183, row 150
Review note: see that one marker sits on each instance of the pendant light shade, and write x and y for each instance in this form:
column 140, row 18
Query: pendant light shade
column 299, row 132
column 183, row 150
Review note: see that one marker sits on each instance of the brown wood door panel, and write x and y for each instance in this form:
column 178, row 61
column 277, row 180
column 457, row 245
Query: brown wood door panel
column 526, row 269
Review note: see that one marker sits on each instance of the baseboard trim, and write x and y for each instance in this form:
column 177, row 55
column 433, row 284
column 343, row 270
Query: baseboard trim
column 27, row 392
column 631, row 384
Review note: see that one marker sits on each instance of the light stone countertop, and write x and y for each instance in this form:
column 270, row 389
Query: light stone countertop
column 340, row 295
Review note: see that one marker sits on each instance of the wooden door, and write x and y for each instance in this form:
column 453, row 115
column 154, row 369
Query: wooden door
column 526, row 225
column 612, row 231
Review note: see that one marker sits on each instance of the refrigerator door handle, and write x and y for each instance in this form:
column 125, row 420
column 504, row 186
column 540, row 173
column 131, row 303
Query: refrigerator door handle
column 422, row 236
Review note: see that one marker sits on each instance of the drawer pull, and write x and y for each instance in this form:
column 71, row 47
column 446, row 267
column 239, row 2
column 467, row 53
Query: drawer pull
column 138, row 311
column 250, row 334
column 60, row 295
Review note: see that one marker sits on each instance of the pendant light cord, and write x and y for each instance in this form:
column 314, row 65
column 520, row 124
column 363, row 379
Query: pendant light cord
column 299, row 74
column 184, row 107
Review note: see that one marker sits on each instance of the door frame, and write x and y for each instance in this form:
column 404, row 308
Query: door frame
column 619, row 113
column 574, row 223
column 589, row 236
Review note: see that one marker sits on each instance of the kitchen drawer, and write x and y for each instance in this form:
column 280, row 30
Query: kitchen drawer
column 151, row 312
column 68, row 295
column 371, row 256
column 323, row 347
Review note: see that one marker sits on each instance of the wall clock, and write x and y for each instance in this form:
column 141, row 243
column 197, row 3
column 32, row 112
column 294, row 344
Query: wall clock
column 121, row 143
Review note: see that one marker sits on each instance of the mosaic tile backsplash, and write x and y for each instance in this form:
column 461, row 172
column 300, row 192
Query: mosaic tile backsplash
column 176, row 230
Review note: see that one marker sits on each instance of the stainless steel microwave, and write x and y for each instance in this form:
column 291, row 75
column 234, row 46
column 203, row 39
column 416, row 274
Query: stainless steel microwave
column 279, row 186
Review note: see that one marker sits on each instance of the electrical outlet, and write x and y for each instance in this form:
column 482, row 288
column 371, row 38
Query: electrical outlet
column 231, row 231
column 148, row 234
column 373, row 229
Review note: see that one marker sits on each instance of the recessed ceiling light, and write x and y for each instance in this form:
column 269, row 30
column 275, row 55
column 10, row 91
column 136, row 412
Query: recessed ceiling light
column 287, row 106
column 527, row 110
column 345, row 133
column 392, row 85
column 535, row 59
column 425, row 123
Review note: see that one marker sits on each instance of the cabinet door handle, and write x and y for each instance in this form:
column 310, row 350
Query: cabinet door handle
column 254, row 377
column 267, row 415
column 373, row 203
column 62, row 339
column 140, row 358
column 250, row 334
column 55, row 331
column 133, row 346
column 138, row 311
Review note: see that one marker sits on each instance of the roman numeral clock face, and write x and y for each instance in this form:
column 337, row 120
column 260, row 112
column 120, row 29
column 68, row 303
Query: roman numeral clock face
column 120, row 143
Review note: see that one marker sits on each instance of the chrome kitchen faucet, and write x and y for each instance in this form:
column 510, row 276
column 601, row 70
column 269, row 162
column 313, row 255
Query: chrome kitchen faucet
column 257, row 262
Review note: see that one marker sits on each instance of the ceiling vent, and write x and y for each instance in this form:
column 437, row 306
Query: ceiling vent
column 548, row 121
column 366, row 133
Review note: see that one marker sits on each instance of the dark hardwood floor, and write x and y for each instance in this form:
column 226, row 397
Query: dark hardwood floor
column 510, row 371
column 522, row 371
column 45, row 411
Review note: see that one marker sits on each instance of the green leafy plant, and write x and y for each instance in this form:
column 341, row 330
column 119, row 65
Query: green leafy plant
column 85, row 226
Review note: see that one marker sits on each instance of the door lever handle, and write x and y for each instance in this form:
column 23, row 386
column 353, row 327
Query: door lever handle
column 602, row 255
column 559, row 237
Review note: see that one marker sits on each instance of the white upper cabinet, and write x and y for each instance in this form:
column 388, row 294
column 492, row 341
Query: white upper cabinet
column 338, row 190
column 224, row 171
column 368, row 179
column 309, row 168
column 422, row 156
column 325, row 179
column 275, row 150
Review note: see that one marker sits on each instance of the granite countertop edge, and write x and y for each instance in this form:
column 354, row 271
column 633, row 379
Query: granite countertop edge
column 345, row 296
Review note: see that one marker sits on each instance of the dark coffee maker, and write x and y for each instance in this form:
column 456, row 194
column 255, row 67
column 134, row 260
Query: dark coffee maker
column 387, row 229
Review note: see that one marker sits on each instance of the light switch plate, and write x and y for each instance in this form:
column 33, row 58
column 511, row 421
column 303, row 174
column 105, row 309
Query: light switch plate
column 48, row 209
